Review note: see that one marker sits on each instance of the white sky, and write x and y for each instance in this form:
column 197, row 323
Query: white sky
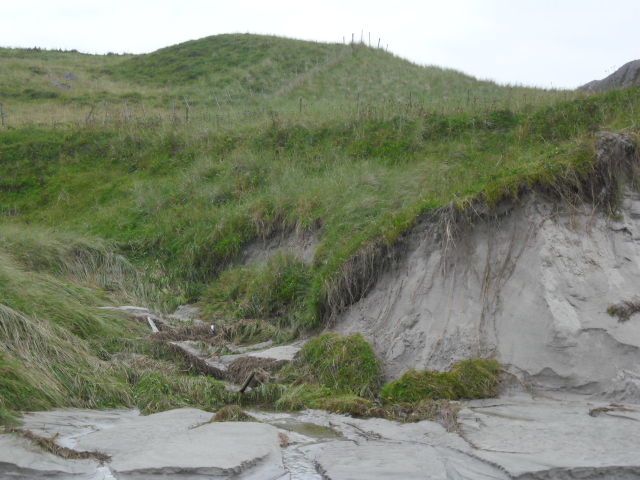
column 559, row 43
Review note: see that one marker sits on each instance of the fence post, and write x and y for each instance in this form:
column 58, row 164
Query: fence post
column 86, row 120
column 4, row 120
column 188, row 107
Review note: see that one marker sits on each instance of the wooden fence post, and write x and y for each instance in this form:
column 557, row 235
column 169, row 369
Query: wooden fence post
column 86, row 120
column 188, row 107
column 4, row 120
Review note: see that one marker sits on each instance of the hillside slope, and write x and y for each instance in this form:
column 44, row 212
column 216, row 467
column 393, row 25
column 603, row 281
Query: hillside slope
column 199, row 201
column 234, row 75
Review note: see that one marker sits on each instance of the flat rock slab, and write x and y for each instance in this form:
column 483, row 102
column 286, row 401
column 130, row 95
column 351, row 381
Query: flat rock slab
column 286, row 352
column 546, row 439
column 340, row 461
column 174, row 444
column 380, row 449
column 21, row 459
column 186, row 313
column 72, row 423
column 516, row 437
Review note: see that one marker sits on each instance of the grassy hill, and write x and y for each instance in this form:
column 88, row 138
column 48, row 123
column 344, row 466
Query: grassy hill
column 230, row 74
column 378, row 144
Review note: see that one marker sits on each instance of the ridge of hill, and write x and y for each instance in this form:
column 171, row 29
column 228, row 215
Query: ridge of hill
column 232, row 74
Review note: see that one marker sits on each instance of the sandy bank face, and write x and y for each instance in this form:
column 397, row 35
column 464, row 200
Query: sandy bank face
column 530, row 285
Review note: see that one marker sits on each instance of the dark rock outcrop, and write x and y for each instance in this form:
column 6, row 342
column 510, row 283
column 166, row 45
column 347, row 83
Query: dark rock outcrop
column 626, row 76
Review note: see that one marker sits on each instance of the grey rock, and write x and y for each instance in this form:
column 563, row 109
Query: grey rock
column 518, row 437
column 626, row 76
column 63, row 86
column 22, row 460
column 174, row 444
column 286, row 352
column 511, row 437
column 186, row 313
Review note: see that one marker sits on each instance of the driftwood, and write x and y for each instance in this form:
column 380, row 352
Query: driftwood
column 247, row 381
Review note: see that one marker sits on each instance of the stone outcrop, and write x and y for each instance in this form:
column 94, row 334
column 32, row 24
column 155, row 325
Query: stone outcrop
column 626, row 76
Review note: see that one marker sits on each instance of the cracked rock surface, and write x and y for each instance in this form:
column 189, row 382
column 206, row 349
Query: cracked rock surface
column 517, row 437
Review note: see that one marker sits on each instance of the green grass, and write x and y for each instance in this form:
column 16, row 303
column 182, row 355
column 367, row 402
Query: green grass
column 469, row 379
column 158, row 211
column 48, row 318
column 344, row 365
column 273, row 291
column 232, row 78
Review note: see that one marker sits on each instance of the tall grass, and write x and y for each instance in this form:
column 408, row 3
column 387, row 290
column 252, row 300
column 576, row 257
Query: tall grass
column 47, row 323
column 231, row 78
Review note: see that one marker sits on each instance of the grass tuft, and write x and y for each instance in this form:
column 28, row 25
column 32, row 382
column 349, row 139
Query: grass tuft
column 232, row 413
column 469, row 379
column 341, row 364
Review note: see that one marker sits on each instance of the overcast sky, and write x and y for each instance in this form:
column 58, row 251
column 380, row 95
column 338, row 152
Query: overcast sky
column 559, row 43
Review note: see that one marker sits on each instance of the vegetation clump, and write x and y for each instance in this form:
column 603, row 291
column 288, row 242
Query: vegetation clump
column 273, row 291
column 299, row 397
column 232, row 413
column 341, row 364
column 469, row 379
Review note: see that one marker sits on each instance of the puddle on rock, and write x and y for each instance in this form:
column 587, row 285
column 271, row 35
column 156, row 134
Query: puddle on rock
column 301, row 433
column 310, row 430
